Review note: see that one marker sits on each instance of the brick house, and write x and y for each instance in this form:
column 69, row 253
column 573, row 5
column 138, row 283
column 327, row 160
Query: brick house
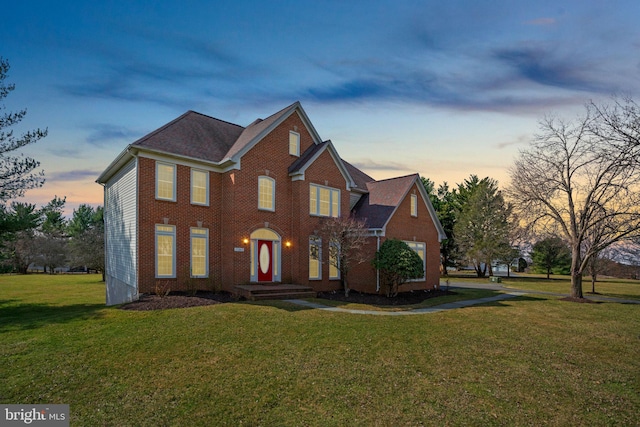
column 204, row 201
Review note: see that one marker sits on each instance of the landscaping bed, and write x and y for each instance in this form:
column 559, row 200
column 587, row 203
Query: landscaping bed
column 178, row 300
column 181, row 300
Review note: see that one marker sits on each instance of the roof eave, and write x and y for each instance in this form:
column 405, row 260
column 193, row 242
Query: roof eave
column 121, row 160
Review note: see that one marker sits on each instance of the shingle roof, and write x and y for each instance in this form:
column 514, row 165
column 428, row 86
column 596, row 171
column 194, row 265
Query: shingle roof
column 193, row 135
column 306, row 157
column 359, row 178
column 376, row 207
column 256, row 128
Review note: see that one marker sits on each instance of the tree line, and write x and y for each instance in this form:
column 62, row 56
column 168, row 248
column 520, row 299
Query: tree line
column 44, row 237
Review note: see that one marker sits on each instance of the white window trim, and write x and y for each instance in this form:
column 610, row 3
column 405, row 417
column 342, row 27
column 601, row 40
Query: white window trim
column 410, row 243
column 204, row 236
column 315, row 241
column 206, row 187
column 414, row 205
column 273, row 193
column 172, row 234
column 175, row 168
column 332, row 191
column 297, row 151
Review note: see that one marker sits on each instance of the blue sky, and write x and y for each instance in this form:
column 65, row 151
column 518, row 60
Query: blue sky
column 446, row 89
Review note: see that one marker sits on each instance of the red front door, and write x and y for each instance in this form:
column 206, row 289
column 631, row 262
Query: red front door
column 265, row 261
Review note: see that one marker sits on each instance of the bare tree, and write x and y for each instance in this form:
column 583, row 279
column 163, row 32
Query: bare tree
column 347, row 237
column 582, row 178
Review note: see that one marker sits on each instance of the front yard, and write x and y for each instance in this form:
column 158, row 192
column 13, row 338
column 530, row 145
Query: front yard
column 527, row 360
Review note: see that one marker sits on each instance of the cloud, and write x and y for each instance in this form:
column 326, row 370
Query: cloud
column 104, row 132
column 544, row 67
column 386, row 166
column 520, row 140
column 73, row 175
column 185, row 68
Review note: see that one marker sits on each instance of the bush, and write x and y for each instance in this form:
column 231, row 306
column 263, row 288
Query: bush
column 397, row 263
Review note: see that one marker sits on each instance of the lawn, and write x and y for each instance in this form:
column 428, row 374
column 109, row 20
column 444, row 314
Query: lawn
column 531, row 360
column 608, row 287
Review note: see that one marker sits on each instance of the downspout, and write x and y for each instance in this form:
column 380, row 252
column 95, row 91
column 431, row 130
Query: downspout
column 377, row 269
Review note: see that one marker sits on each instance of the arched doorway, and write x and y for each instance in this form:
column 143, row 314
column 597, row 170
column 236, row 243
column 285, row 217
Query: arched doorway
column 265, row 255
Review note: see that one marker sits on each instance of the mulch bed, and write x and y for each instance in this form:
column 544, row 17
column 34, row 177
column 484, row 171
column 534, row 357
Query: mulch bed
column 178, row 300
column 181, row 300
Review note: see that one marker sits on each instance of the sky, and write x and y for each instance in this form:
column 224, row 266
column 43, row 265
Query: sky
column 443, row 88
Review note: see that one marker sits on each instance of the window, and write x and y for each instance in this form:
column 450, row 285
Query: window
column 199, row 187
column 315, row 253
column 165, row 181
column 324, row 201
column 420, row 249
column 414, row 205
column 294, row 143
column 199, row 252
column 266, row 193
column 334, row 261
column 165, row 251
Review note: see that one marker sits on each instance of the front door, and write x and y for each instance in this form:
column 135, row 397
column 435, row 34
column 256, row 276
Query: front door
column 265, row 261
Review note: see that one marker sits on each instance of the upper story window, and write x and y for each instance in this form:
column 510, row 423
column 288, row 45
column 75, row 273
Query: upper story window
column 266, row 193
column 420, row 248
column 324, row 201
column 414, row 205
column 199, row 187
column 165, row 251
column 165, row 181
column 294, row 143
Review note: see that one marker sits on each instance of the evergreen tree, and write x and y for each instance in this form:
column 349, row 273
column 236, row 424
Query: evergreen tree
column 16, row 171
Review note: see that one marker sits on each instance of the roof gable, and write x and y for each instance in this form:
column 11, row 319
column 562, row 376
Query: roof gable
column 260, row 128
column 384, row 197
column 298, row 168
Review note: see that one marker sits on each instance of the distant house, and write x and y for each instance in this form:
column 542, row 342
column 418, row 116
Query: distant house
column 204, row 201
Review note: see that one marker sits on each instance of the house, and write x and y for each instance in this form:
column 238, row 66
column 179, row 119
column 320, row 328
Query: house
column 205, row 201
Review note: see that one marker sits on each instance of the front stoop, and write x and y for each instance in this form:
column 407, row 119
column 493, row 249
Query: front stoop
column 274, row 291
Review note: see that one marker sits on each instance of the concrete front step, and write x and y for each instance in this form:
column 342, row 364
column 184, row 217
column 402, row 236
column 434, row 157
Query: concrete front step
column 274, row 291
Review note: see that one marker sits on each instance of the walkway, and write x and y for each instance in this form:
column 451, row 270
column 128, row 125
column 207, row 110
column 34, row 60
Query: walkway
column 507, row 293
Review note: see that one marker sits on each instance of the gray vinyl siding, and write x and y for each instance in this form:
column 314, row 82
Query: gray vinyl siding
column 120, row 218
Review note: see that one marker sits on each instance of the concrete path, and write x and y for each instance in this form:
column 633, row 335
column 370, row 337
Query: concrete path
column 436, row 309
column 507, row 293
column 498, row 287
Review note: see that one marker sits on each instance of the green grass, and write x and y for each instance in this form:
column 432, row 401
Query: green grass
column 459, row 295
column 618, row 288
column 532, row 360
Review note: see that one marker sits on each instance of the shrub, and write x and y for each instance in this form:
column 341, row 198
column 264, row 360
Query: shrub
column 397, row 263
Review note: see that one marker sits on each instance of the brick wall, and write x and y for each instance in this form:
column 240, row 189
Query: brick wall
column 233, row 214
column 403, row 226
column 183, row 215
